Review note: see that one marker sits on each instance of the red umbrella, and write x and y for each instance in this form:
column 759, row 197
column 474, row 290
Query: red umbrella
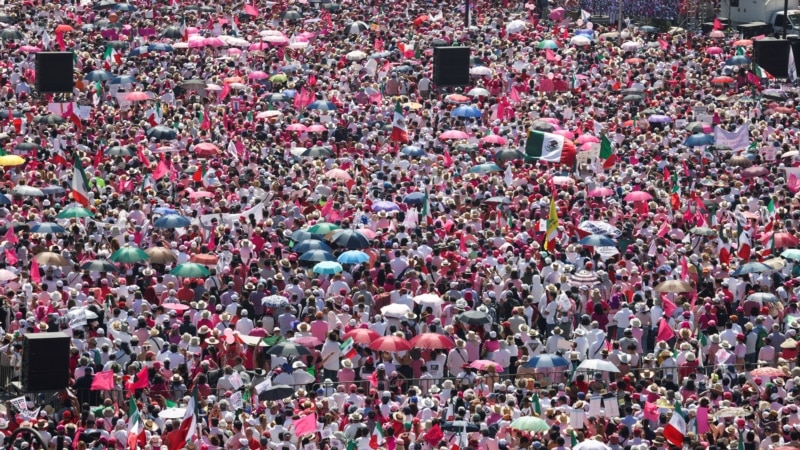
column 205, row 259
column 316, row 128
column 296, row 127
column 483, row 364
column 432, row 341
column 390, row 344
column 138, row 96
column 420, row 20
column 601, row 192
column 206, row 149
column 767, row 372
column 64, row 28
column 722, row 80
column 638, row 196
column 782, row 239
column 363, row 336
column 494, row 139
column 457, row 98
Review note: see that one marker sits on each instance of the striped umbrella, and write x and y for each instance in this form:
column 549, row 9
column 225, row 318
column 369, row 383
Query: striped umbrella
column 583, row 278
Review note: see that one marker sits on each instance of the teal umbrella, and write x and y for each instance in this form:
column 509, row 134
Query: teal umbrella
column 323, row 228
column 353, row 257
column 792, row 253
column 74, row 212
column 530, row 423
column 189, row 270
column 129, row 255
column 485, row 168
column 327, row 268
column 547, row 43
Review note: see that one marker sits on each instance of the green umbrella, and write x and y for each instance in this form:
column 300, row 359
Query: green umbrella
column 791, row 253
column 323, row 228
column 129, row 255
column 74, row 213
column 279, row 78
column 547, row 43
column 188, row 270
column 530, row 423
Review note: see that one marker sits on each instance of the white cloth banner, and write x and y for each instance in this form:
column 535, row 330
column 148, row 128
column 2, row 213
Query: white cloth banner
column 737, row 140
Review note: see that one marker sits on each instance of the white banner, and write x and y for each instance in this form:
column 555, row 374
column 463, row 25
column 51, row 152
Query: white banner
column 237, row 401
column 20, row 403
column 77, row 318
column 737, row 140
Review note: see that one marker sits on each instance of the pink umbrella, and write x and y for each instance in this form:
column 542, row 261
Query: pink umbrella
column 457, row 98
column 233, row 51
column 138, row 96
column 339, row 174
column 206, row 149
column 214, row 42
column 175, row 306
column 557, row 14
column 714, row 51
column 563, row 181
column 196, row 43
column 277, row 40
column 368, row 233
column 29, row 49
column 584, row 138
column 296, row 127
column 390, row 344
column 483, row 364
column 308, row 341
column 306, row 36
column 567, row 134
column 258, row 46
column 200, row 194
column 638, row 196
column 601, row 192
column 717, row 34
column 192, row 30
column 316, row 128
column 551, row 120
column 453, row 134
column 258, row 75
column 588, row 146
column 493, row 139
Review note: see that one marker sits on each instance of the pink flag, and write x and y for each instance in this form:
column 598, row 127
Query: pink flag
column 668, row 305
column 306, row 425
column 212, row 244
column 226, row 89
column 684, row 269
column 11, row 256
column 514, row 96
column 36, row 277
column 206, row 125
column 448, row 160
column 702, row 420
column 103, row 381
column 793, row 185
column 651, row 412
column 10, row 237
column 550, row 55
column 664, row 44
column 665, row 227
column 326, row 210
column 462, row 243
column 665, row 333
column 251, row 10
column 60, row 40
column 160, row 170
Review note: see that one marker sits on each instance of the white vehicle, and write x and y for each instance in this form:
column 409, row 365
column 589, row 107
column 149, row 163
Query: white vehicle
column 768, row 12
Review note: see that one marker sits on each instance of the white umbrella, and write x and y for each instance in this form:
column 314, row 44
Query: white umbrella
column 599, row 365
column 481, row 70
column 356, row 55
column 7, row 275
column 630, row 45
column 478, row 92
column 298, row 45
column 395, row 310
column 591, row 444
column 515, row 26
column 172, row 413
column 580, row 41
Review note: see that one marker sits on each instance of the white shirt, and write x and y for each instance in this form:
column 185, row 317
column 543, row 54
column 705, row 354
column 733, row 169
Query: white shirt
column 331, row 351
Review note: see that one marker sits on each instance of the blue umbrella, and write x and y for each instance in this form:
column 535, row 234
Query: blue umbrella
column 160, row 47
column 122, row 79
column 327, row 268
column 412, row 150
column 290, row 93
column 485, row 168
column 124, row 7
column 4, row 200
column 53, row 189
column 597, row 240
column 466, row 111
column 138, row 51
column 97, row 75
column 546, row 362
column 353, row 257
column 164, row 211
column 172, row 221
column 322, row 105
column 587, row 33
column 699, row 140
column 303, row 235
column 751, row 267
column 316, row 256
column 383, row 205
column 738, row 60
column 311, row 244
column 414, row 198
column 48, row 227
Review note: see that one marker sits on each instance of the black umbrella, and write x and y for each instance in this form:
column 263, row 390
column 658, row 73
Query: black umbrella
column 467, row 147
column 4, row 113
column 5, row 18
column 303, row 235
column 332, row 6
column 356, row 27
column 10, row 34
column 350, row 239
column 207, row 9
column 277, row 392
column 117, row 44
column 104, row 4
column 288, row 349
column 49, row 119
column 474, row 318
column 99, row 265
column 541, row 125
column 317, row 151
column 194, row 83
column 120, row 150
column 172, row 33
column 457, row 426
column 162, row 132
column 27, row 146
column 508, row 154
column 292, row 15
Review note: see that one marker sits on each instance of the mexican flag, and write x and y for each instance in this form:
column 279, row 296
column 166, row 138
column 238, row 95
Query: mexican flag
column 188, row 428
column 399, row 132
column 376, row 440
column 80, row 190
column 544, row 146
column 184, row 33
column 348, row 349
column 97, row 97
column 771, row 208
column 675, row 430
column 761, row 73
column 111, row 58
column 744, row 244
column 606, row 152
column 136, row 436
column 199, row 176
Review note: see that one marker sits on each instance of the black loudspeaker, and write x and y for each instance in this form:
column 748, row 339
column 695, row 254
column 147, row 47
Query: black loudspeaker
column 54, row 73
column 45, row 362
column 773, row 56
column 451, row 66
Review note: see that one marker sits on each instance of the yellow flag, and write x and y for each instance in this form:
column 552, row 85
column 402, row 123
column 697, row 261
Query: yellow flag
column 552, row 225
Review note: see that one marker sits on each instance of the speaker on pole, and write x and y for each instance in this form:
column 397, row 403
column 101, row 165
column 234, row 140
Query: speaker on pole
column 54, row 73
column 45, row 362
column 451, row 66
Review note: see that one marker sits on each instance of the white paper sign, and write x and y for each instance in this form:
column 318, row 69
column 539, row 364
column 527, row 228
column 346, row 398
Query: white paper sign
column 30, row 415
column 611, row 406
column 261, row 387
column 77, row 318
column 337, row 444
column 577, row 418
column 236, row 400
column 236, row 380
column 595, row 405
column 20, row 403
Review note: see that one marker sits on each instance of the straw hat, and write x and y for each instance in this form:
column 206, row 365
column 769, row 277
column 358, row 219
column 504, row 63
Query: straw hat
column 460, row 343
column 789, row 343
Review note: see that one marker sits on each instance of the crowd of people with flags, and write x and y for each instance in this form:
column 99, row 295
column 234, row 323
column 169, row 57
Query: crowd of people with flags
column 264, row 225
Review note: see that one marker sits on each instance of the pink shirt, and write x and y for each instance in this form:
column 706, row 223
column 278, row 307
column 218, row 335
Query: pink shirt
column 319, row 329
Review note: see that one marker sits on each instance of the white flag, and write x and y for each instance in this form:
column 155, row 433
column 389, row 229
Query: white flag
column 792, row 72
